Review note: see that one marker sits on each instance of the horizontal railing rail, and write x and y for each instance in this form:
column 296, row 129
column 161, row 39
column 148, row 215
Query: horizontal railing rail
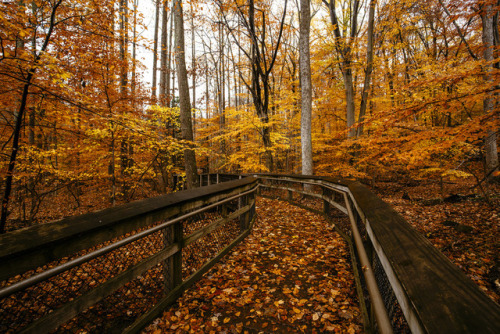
column 412, row 287
column 103, row 271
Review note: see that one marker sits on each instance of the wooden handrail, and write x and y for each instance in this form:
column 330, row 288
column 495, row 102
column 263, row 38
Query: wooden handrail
column 434, row 294
column 31, row 247
column 110, row 229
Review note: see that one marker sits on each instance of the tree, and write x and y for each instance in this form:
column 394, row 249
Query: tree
column 164, row 58
column 369, row 66
column 490, row 25
column 184, row 100
column 29, row 76
column 344, row 46
column 155, row 51
column 305, row 87
column 262, row 57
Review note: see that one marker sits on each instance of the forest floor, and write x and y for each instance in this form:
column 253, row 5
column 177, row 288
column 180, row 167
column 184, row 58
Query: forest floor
column 292, row 274
column 458, row 220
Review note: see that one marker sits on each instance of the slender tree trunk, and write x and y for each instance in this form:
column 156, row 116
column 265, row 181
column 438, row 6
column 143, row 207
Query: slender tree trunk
column 14, row 151
column 343, row 47
column 19, row 119
column 349, row 97
column 170, row 91
column 123, row 46
column 185, row 105
column 193, row 58
column 305, row 87
column 164, row 77
column 134, row 51
column 155, row 52
column 207, row 92
column 369, row 66
column 487, row 16
column 193, row 69
column 228, row 76
column 125, row 145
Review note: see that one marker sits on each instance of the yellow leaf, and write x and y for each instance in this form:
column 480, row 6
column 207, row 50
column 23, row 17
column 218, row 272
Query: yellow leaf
column 226, row 320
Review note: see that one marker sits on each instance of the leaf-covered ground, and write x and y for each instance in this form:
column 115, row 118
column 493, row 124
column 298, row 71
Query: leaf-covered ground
column 291, row 275
column 458, row 221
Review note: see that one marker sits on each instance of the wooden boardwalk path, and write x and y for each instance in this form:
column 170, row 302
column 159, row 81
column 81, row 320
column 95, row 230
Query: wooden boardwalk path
column 291, row 275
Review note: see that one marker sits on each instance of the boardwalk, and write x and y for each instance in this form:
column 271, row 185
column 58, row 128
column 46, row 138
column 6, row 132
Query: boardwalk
column 291, row 275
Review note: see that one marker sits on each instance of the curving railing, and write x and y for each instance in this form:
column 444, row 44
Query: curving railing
column 103, row 271
column 407, row 285
column 117, row 269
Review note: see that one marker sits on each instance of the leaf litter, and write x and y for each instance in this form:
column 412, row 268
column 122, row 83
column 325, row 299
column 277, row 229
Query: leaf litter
column 292, row 274
column 458, row 221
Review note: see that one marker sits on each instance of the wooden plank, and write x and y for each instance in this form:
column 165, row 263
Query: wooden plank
column 80, row 304
column 35, row 246
column 439, row 295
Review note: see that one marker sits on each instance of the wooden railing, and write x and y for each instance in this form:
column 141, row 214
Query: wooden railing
column 103, row 271
column 411, row 286
column 124, row 265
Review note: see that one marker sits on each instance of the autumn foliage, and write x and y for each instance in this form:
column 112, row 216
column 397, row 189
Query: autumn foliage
column 81, row 127
column 425, row 115
column 87, row 137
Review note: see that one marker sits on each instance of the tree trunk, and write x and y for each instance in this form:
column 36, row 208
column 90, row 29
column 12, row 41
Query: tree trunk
column 125, row 158
column 164, row 76
column 185, row 105
column 487, row 15
column 134, row 51
column 123, row 46
column 170, row 91
column 305, row 87
column 155, row 52
column 343, row 47
column 193, row 69
column 369, row 66
column 19, row 119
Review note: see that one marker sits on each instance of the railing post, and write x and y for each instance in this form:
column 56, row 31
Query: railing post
column 172, row 268
column 242, row 201
column 251, row 213
column 326, row 204
column 224, row 210
column 217, row 178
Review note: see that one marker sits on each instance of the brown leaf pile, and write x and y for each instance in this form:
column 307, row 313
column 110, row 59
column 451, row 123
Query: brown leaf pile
column 291, row 275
